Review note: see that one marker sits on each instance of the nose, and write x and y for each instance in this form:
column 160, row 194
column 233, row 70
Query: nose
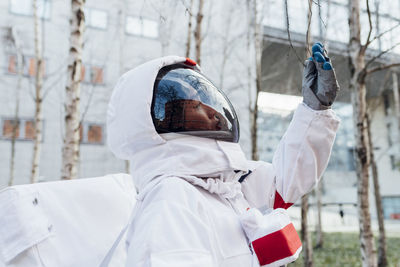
column 212, row 113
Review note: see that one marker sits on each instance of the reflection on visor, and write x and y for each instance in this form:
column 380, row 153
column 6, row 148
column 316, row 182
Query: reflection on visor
column 185, row 101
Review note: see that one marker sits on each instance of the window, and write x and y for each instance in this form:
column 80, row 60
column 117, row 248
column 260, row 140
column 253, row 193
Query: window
column 96, row 18
column 25, row 7
column 8, row 127
column 29, row 129
column 141, row 27
column 92, row 74
column 91, row 133
column 391, row 207
column 25, row 129
column 29, row 66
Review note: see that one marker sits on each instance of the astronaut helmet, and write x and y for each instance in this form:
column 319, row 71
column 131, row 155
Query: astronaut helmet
column 185, row 101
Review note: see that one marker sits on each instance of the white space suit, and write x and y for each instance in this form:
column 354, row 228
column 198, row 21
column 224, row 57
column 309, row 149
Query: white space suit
column 190, row 197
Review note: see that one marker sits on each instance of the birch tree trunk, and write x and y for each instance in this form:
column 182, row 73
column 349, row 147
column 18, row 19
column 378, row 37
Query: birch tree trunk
column 189, row 34
column 382, row 258
column 197, row 33
column 396, row 100
column 305, row 234
column 70, row 152
column 358, row 91
column 320, row 234
column 20, row 69
column 258, row 53
column 38, row 96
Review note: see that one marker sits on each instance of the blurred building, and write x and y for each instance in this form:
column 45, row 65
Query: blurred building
column 121, row 34
column 282, row 74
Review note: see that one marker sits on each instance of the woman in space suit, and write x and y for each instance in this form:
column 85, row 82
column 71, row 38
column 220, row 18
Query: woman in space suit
column 200, row 201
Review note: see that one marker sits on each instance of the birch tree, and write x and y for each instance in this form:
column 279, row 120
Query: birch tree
column 37, row 142
column 360, row 117
column 20, row 68
column 359, row 102
column 189, row 33
column 396, row 100
column 359, row 69
column 319, row 187
column 305, row 235
column 319, row 233
column 257, row 37
column 198, row 38
column 382, row 258
column 70, row 151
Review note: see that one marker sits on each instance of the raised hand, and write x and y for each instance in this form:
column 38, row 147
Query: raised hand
column 319, row 80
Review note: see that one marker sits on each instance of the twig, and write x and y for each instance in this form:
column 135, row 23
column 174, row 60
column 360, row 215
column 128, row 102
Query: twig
column 379, row 55
column 320, row 15
column 288, row 32
column 383, row 33
column 382, row 67
column 364, row 47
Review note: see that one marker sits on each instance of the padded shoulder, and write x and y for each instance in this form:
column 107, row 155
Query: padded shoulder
column 175, row 190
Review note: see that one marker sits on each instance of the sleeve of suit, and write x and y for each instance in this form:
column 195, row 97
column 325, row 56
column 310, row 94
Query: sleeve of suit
column 298, row 163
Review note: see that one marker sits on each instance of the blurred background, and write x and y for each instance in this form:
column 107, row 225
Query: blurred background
column 253, row 50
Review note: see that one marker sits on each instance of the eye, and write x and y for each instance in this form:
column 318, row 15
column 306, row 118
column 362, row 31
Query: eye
column 197, row 105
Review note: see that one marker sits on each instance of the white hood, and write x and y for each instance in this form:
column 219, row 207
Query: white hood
column 131, row 134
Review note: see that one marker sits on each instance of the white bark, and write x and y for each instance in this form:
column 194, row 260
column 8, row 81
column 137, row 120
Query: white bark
column 20, row 69
column 189, row 33
column 305, row 234
column 198, row 37
column 320, row 234
column 396, row 100
column 258, row 39
column 38, row 96
column 382, row 258
column 70, row 152
column 358, row 90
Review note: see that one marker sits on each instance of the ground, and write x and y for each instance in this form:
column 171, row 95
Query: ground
column 342, row 249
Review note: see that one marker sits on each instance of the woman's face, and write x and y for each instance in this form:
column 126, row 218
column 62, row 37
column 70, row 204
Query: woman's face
column 198, row 116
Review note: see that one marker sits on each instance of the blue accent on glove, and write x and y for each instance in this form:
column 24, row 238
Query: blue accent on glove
column 327, row 66
column 317, row 47
column 310, row 58
column 319, row 57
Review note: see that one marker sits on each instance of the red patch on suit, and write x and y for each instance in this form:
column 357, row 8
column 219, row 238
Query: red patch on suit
column 280, row 203
column 277, row 245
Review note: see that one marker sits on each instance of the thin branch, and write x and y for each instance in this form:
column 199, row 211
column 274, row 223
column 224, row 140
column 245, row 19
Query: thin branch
column 379, row 55
column 52, row 85
column 383, row 33
column 328, row 16
column 364, row 47
column 288, row 32
column 320, row 16
column 382, row 67
column 308, row 37
column 188, row 8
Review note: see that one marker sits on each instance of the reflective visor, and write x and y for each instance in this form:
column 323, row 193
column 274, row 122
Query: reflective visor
column 185, row 101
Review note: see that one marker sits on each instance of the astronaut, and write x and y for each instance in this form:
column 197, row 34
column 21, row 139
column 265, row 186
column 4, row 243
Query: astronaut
column 180, row 134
